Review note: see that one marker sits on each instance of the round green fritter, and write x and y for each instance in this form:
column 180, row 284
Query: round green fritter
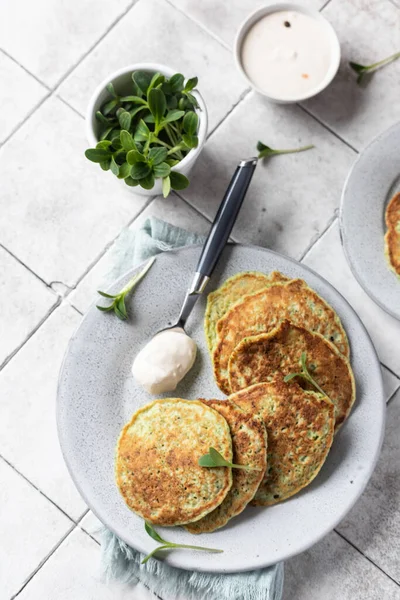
column 233, row 290
column 300, row 426
column 249, row 441
column 261, row 312
column 157, row 455
column 259, row 358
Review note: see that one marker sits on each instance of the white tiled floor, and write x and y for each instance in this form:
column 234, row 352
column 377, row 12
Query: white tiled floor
column 59, row 216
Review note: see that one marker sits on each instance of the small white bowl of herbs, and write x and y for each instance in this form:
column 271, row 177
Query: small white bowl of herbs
column 147, row 125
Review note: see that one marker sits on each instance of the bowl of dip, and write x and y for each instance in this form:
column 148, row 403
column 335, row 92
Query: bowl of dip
column 287, row 52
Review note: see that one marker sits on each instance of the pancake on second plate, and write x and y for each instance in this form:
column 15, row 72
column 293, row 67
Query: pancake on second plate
column 392, row 237
column 300, row 426
column 157, row 455
column 249, row 442
column 259, row 358
column 232, row 290
column 264, row 310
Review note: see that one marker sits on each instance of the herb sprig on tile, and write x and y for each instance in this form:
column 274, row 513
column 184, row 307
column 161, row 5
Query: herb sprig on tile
column 363, row 70
column 265, row 151
column 169, row 545
column 305, row 374
column 214, row 459
column 118, row 300
column 143, row 135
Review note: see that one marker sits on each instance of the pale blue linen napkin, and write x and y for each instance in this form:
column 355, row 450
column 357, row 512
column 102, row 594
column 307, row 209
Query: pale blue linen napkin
column 123, row 562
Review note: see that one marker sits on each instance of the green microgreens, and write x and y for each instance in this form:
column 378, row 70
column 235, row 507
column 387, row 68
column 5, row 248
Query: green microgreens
column 144, row 135
column 265, row 151
column 169, row 545
column 363, row 70
column 118, row 300
column 214, row 459
column 305, row 374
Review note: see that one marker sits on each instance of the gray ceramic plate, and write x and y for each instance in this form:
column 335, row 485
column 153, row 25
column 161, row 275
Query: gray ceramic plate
column 373, row 180
column 97, row 396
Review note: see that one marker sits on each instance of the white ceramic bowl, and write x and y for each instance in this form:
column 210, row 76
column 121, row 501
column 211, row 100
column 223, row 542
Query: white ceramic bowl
column 275, row 7
column 121, row 80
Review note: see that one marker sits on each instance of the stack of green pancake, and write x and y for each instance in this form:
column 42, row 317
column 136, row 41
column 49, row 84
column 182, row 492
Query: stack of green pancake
column 259, row 328
column 157, row 462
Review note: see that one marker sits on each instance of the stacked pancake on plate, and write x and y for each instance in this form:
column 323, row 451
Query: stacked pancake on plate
column 260, row 329
column 392, row 236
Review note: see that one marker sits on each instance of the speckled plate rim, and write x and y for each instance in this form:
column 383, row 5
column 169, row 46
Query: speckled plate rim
column 352, row 250
column 196, row 564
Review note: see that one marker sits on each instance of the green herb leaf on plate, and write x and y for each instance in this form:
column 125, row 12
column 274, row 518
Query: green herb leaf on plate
column 118, row 303
column 169, row 545
column 305, row 374
column 215, row 459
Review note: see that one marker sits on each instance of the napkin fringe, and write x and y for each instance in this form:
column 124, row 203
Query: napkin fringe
column 122, row 563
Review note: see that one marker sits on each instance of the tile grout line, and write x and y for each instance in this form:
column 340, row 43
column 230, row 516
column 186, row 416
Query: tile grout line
column 366, row 557
column 99, row 544
column 76, row 309
column 14, row 60
column 391, row 371
column 310, row 114
column 48, row 285
column 331, row 222
column 44, row 561
column 94, row 45
column 26, row 118
column 39, row 490
column 52, row 551
column 201, row 26
column 30, row 334
column 234, row 106
column 52, row 91
column 69, row 105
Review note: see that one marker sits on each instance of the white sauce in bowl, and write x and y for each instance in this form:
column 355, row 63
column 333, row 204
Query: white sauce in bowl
column 287, row 54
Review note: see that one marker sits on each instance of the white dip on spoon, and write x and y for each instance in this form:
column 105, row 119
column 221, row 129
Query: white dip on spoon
column 287, row 54
column 164, row 361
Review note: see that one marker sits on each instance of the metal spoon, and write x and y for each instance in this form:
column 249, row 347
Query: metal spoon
column 218, row 236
